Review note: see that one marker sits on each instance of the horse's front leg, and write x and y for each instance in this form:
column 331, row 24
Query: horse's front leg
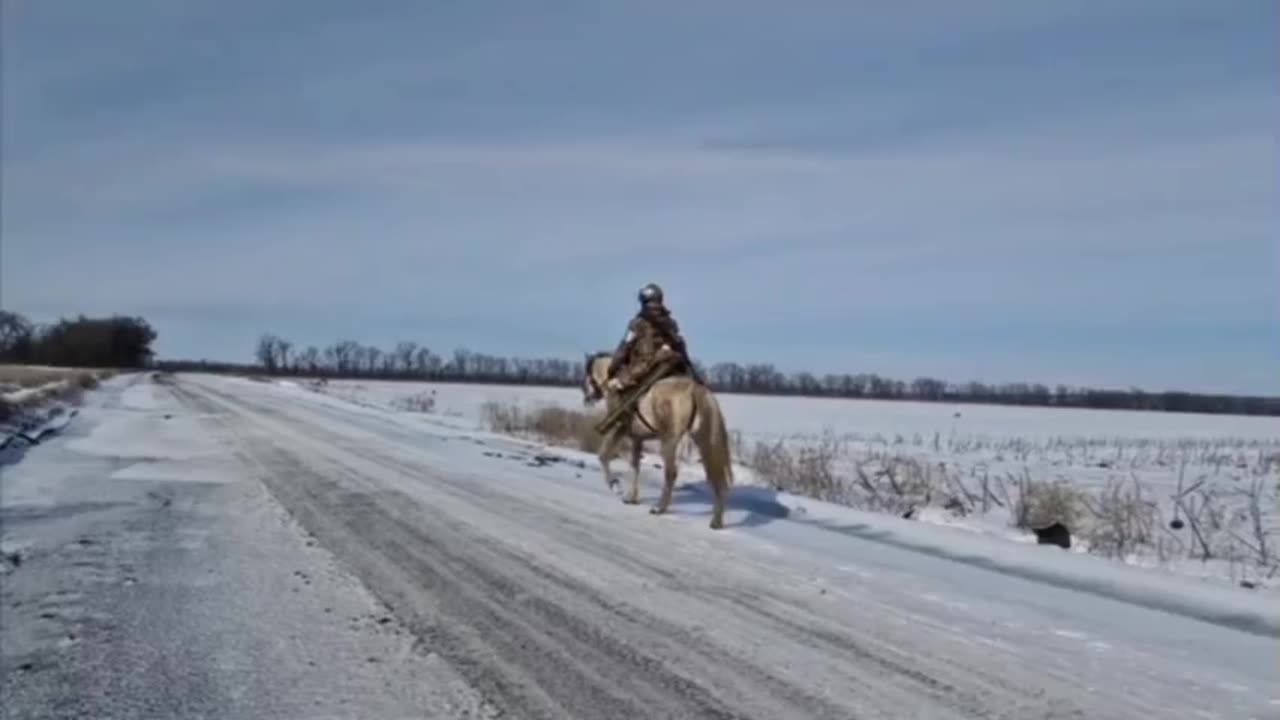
column 607, row 447
column 637, row 453
column 669, row 470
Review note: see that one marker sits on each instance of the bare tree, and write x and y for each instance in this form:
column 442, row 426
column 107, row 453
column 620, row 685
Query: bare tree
column 359, row 358
column 405, row 351
column 15, row 336
column 346, row 355
column 423, row 361
column 266, row 353
column 283, row 348
column 407, row 357
column 310, row 359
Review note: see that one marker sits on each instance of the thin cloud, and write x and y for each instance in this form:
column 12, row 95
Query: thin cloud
column 939, row 182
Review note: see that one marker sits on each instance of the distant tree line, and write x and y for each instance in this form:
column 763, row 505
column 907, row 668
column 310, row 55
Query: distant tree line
column 106, row 342
column 405, row 361
column 765, row 379
column 410, row 361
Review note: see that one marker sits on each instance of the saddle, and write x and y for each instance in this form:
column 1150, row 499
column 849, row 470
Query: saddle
column 680, row 364
column 664, row 369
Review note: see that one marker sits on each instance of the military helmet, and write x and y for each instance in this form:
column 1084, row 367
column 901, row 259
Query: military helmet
column 650, row 293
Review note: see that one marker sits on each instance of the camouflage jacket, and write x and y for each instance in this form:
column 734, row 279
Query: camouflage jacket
column 647, row 333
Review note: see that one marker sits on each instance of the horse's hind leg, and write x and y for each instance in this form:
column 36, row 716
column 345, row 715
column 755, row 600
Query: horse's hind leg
column 717, row 509
column 717, row 478
column 637, row 452
column 669, row 452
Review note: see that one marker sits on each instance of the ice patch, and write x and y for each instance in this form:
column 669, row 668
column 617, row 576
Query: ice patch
column 144, row 396
column 151, row 436
column 945, row 601
column 198, row 470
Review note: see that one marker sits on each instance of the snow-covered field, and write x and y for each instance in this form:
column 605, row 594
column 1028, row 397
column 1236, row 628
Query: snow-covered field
column 767, row 417
column 1159, row 489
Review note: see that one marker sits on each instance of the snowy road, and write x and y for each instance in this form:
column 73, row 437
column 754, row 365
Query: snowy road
column 226, row 548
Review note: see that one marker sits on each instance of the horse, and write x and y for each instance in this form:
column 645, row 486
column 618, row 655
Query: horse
column 667, row 411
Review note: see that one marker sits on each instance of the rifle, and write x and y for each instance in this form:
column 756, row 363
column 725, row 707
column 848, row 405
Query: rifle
column 680, row 348
column 669, row 339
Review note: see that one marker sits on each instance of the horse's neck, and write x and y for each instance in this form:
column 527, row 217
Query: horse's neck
column 600, row 370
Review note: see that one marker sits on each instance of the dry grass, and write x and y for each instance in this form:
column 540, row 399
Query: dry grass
column 1121, row 519
column 25, row 376
column 28, row 376
column 552, row 425
column 1227, row 513
column 1041, row 503
column 88, row 380
column 423, row 402
column 879, row 482
column 66, row 390
column 30, row 387
column 809, row 470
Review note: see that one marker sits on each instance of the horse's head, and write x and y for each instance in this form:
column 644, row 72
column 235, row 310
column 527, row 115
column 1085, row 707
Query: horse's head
column 595, row 373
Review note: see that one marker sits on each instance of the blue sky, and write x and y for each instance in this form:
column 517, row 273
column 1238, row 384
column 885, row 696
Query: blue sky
column 1049, row 191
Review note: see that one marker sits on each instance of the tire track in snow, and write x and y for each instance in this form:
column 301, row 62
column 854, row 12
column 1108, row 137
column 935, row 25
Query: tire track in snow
column 602, row 662
column 618, row 653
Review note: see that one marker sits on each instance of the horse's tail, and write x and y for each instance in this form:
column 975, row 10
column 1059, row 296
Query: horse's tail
column 712, row 438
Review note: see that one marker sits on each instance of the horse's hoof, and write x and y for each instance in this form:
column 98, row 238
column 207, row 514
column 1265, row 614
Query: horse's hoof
column 655, row 510
column 631, row 500
column 717, row 524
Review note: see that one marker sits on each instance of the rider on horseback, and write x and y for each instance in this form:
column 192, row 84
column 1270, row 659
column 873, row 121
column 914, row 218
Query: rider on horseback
column 652, row 348
column 647, row 403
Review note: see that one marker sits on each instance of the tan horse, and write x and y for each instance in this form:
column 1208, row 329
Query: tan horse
column 670, row 409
